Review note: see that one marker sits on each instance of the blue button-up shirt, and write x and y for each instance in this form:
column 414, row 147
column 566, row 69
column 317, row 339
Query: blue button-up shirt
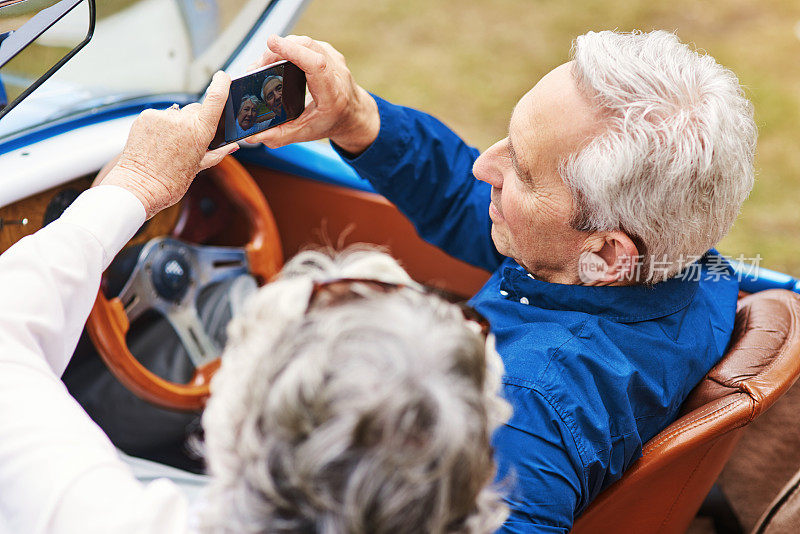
column 592, row 373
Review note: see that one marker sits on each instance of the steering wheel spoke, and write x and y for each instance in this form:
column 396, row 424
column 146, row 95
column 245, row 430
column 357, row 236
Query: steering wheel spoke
column 198, row 344
column 215, row 264
column 138, row 295
column 135, row 307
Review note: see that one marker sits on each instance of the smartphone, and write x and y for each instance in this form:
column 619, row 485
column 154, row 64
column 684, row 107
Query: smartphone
column 260, row 100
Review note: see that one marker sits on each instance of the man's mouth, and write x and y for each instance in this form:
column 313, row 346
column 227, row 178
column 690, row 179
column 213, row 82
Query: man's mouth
column 494, row 213
column 494, row 209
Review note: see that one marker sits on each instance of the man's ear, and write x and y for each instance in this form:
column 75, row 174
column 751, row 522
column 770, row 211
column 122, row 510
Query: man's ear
column 609, row 258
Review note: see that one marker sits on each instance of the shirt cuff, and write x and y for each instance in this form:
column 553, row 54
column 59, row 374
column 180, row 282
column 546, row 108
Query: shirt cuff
column 394, row 138
column 110, row 213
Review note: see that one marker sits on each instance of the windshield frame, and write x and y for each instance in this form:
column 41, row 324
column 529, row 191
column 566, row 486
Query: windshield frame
column 93, row 111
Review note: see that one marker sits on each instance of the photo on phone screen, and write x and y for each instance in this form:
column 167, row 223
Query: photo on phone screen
column 261, row 100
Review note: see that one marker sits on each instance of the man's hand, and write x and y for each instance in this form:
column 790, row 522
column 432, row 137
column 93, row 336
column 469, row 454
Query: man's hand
column 166, row 149
column 340, row 109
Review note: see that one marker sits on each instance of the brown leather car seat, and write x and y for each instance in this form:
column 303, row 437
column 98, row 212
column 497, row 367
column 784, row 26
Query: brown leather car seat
column 664, row 489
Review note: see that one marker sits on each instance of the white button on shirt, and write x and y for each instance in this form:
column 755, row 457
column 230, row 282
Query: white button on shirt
column 59, row 473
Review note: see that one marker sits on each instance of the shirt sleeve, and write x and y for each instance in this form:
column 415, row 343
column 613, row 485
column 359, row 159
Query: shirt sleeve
column 425, row 169
column 58, row 471
column 539, row 467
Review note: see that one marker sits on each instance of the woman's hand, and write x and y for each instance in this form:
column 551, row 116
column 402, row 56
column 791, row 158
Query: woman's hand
column 167, row 148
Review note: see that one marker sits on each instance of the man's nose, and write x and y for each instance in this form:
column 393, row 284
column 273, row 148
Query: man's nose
column 487, row 167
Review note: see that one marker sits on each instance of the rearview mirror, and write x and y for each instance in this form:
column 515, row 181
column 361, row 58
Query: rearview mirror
column 37, row 37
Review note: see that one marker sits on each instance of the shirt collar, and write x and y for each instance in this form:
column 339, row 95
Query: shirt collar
column 617, row 303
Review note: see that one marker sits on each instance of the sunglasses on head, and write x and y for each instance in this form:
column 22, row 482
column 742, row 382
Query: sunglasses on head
column 341, row 290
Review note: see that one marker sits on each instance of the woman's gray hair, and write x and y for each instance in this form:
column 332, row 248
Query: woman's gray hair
column 675, row 162
column 252, row 98
column 370, row 416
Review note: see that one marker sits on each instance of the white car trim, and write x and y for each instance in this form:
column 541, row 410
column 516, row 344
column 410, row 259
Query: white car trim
column 39, row 166
column 84, row 150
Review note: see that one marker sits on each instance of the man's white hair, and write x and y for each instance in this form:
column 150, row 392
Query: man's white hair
column 369, row 416
column 675, row 162
column 266, row 81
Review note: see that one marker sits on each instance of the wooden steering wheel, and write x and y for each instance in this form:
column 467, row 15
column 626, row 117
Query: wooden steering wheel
column 168, row 277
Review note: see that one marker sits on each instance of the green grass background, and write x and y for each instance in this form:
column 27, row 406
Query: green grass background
column 469, row 61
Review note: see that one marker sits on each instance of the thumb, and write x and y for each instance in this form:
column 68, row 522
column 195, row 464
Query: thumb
column 213, row 157
column 214, row 103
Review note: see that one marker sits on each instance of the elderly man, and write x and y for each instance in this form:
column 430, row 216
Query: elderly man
column 620, row 169
column 272, row 93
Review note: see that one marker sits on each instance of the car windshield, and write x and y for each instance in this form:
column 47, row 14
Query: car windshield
column 140, row 48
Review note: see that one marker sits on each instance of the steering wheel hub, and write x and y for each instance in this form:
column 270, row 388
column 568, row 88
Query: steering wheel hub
column 171, row 273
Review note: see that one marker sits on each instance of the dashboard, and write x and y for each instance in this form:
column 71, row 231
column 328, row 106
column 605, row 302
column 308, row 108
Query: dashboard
column 28, row 215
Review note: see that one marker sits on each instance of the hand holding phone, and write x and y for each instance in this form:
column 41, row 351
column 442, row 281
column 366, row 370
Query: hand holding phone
column 341, row 110
column 260, row 100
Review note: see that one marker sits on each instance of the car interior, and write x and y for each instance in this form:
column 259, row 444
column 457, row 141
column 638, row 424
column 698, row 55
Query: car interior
column 301, row 212
column 143, row 365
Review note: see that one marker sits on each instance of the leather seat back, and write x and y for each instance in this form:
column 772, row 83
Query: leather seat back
column 663, row 490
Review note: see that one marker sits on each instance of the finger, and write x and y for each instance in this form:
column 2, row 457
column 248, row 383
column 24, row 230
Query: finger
column 321, row 84
column 214, row 103
column 295, row 131
column 213, row 157
column 192, row 109
column 268, row 56
column 327, row 48
column 310, row 61
column 277, row 135
column 253, row 66
column 308, row 42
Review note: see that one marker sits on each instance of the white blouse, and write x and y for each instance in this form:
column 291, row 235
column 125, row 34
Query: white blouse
column 59, row 473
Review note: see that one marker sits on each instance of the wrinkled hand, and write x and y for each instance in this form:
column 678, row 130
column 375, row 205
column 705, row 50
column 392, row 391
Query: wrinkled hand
column 340, row 109
column 167, row 148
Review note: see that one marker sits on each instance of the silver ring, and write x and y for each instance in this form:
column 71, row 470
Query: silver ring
column 175, row 107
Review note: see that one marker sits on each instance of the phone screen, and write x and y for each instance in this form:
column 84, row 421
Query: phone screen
column 261, row 100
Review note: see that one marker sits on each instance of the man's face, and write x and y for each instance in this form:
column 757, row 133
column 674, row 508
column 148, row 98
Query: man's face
column 247, row 115
column 531, row 206
column 273, row 95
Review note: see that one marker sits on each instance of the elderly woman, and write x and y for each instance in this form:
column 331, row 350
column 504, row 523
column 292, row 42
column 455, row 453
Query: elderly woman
column 336, row 388
column 246, row 117
column 349, row 400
